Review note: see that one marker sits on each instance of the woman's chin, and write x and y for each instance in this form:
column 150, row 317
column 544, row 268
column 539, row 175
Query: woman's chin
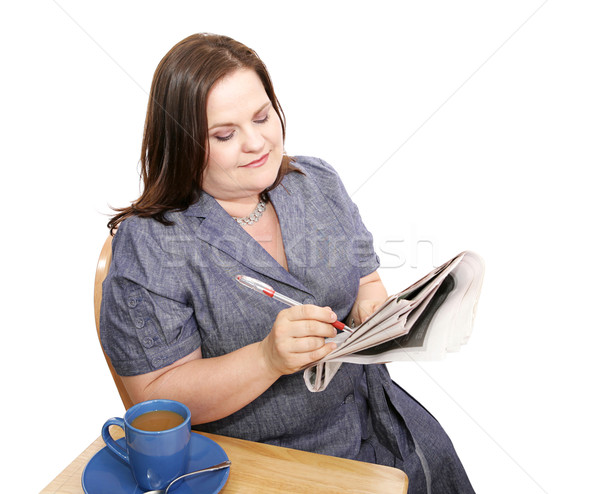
column 261, row 178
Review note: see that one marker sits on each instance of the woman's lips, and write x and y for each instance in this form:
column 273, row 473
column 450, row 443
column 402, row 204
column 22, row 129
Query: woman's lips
column 259, row 162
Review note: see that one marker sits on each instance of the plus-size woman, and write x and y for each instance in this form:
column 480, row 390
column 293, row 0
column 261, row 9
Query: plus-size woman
column 222, row 199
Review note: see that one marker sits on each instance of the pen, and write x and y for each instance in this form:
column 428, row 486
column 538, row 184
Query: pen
column 261, row 287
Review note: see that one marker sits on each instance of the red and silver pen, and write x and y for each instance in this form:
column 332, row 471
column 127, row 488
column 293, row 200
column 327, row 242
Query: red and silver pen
column 261, row 287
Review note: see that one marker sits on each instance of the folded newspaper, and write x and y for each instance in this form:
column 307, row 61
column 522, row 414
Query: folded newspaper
column 429, row 318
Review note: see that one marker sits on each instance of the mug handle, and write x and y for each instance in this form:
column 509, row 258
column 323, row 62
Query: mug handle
column 111, row 444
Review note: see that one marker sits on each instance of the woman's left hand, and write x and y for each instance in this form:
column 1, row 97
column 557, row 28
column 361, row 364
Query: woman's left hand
column 361, row 310
column 371, row 294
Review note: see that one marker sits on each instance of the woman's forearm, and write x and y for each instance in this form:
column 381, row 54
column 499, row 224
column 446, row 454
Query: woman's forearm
column 371, row 288
column 216, row 387
column 212, row 388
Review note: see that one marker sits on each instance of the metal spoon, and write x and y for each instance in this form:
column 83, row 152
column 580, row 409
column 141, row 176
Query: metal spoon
column 219, row 466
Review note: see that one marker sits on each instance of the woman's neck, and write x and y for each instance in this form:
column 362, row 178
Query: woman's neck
column 239, row 208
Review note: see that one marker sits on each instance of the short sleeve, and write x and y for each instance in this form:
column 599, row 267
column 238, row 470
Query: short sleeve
column 335, row 196
column 145, row 320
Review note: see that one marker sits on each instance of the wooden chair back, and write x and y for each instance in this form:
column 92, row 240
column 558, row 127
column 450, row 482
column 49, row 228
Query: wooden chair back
column 101, row 272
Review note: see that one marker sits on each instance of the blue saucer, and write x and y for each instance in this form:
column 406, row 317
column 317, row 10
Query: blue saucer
column 107, row 474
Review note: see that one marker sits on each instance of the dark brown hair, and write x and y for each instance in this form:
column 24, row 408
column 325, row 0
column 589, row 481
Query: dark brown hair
column 176, row 130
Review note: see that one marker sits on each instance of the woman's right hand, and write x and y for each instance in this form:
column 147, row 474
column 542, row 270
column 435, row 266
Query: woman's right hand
column 298, row 338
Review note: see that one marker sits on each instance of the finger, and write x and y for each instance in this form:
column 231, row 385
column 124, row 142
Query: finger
column 302, row 321
column 365, row 309
column 303, row 312
column 298, row 330
column 319, row 353
column 363, row 313
column 286, row 336
column 304, row 360
column 307, row 344
column 316, row 328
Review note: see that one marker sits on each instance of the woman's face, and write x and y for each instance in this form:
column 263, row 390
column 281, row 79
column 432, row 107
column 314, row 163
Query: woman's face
column 245, row 139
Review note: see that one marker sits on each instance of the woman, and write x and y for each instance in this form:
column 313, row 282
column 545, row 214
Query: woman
column 222, row 199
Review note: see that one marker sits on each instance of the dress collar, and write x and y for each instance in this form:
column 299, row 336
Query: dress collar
column 222, row 232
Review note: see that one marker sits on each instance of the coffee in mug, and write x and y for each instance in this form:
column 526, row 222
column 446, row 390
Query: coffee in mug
column 157, row 437
column 158, row 420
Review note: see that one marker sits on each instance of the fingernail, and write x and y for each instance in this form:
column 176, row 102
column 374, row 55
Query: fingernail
column 333, row 317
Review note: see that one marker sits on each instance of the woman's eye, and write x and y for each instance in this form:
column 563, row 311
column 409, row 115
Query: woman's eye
column 224, row 138
column 262, row 120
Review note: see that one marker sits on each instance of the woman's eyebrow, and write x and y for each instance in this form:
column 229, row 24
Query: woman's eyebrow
column 230, row 124
column 262, row 107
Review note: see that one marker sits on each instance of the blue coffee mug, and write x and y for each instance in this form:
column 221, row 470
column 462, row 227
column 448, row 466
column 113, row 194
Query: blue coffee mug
column 155, row 457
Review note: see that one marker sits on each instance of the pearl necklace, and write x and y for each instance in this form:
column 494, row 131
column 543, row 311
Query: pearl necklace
column 254, row 216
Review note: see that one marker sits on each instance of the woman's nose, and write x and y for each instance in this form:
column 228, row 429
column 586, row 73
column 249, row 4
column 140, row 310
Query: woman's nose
column 254, row 141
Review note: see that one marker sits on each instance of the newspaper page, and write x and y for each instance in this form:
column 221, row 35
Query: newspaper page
column 431, row 317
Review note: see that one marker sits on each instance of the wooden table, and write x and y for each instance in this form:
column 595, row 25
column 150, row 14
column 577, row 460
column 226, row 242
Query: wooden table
column 268, row 469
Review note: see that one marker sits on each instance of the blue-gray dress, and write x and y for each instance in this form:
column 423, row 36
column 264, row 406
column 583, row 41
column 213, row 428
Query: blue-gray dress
column 172, row 289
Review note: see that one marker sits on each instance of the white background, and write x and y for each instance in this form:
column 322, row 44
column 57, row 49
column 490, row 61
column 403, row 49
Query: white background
column 455, row 125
